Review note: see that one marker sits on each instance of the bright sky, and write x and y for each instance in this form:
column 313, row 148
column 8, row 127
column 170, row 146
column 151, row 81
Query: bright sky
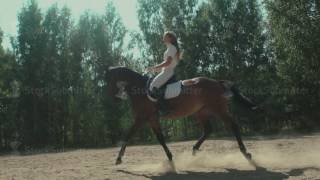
column 10, row 8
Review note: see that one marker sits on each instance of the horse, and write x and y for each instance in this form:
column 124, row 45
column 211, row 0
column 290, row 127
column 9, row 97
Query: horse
column 202, row 97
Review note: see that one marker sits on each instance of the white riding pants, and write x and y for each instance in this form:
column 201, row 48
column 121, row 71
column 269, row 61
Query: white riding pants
column 161, row 78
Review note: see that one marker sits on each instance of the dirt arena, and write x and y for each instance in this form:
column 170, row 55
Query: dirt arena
column 294, row 158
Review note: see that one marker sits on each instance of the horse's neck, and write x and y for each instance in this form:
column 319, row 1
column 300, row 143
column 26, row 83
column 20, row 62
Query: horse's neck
column 136, row 84
column 135, row 79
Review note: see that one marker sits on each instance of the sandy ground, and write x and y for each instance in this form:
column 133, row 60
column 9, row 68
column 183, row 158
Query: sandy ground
column 294, row 158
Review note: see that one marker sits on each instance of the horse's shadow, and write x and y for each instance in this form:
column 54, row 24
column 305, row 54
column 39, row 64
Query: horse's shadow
column 229, row 174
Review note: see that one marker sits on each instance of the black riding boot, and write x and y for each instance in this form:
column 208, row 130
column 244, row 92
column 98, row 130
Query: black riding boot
column 162, row 104
column 163, row 107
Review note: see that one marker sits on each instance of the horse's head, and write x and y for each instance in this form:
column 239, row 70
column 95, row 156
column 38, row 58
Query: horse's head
column 120, row 80
column 116, row 84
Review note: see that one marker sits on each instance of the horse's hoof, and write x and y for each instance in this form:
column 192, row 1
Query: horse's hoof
column 248, row 156
column 119, row 161
column 194, row 152
column 172, row 167
column 251, row 161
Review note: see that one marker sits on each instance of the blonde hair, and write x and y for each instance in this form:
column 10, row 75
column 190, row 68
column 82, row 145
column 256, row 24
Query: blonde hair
column 174, row 41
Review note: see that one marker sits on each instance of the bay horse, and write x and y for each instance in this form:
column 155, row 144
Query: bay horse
column 203, row 97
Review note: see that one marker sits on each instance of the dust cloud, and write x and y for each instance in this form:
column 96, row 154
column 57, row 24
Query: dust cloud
column 292, row 158
column 279, row 156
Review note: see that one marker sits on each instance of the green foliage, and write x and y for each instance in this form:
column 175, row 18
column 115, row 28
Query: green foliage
column 61, row 77
column 52, row 85
column 1, row 38
column 295, row 29
column 8, row 93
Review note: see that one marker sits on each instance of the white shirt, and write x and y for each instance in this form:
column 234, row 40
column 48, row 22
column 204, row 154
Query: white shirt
column 172, row 52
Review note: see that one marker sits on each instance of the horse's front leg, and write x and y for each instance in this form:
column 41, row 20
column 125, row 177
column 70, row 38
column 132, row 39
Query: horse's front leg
column 155, row 125
column 207, row 129
column 204, row 120
column 130, row 133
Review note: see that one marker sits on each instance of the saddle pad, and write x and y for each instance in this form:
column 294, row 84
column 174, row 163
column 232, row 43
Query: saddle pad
column 173, row 90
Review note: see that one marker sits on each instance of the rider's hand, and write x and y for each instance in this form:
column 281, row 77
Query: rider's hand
column 149, row 69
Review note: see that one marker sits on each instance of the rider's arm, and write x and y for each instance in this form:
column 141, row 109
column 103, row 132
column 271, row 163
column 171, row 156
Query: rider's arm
column 162, row 65
column 171, row 52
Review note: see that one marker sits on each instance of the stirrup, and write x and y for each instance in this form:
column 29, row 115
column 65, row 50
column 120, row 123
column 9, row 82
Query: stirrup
column 155, row 93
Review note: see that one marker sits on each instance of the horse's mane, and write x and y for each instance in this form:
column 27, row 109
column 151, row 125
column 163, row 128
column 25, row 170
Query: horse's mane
column 117, row 70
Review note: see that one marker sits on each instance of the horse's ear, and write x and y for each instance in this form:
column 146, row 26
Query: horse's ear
column 109, row 68
column 107, row 72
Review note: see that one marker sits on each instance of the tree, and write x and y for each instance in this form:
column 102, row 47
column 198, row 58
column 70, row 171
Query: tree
column 1, row 38
column 53, row 88
column 96, row 44
column 30, row 52
column 295, row 31
column 8, row 97
column 56, row 32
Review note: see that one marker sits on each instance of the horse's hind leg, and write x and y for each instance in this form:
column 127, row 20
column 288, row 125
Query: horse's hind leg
column 204, row 121
column 234, row 128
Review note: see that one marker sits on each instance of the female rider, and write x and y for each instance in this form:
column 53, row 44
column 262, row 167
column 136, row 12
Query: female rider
column 171, row 59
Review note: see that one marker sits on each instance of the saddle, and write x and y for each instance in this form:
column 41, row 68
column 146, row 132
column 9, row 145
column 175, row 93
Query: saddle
column 171, row 89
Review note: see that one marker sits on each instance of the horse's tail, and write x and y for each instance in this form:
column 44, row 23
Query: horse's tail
column 238, row 96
